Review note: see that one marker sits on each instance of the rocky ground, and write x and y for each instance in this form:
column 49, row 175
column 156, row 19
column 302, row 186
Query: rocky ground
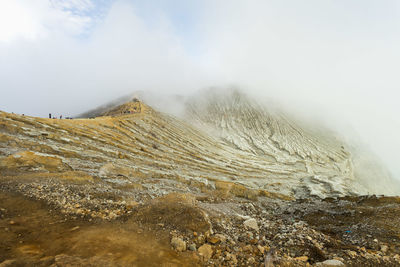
column 48, row 220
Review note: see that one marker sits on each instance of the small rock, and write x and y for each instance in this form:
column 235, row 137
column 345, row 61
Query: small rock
column 330, row 263
column 251, row 223
column 247, row 248
column 302, row 258
column 221, row 237
column 251, row 260
column 290, row 242
column 249, row 235
column 261, row 249
column 131, row 204
column 206, row 251
column 178, row 244
column 228, row 256
column 351, row 253
column 232, row 258
column 213, row 240
column 208, row 233
column 192, row 247
column 384, row 248
column 200, row 239
column 254, row 241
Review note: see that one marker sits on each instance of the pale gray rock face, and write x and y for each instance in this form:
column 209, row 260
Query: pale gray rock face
column 302, row 160
column 268, row 149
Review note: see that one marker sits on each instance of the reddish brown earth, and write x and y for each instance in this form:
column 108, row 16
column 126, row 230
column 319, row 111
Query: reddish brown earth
column 33, row 234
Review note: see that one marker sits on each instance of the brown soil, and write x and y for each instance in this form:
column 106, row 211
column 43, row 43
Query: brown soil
column 34, row 234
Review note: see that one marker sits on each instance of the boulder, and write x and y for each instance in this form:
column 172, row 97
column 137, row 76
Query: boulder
column 176, row 211
column 178, row 244
column 206, row 251
column 251, row 223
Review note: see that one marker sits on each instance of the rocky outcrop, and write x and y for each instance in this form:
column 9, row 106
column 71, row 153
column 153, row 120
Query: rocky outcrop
column 31, row 161
column 175, row 211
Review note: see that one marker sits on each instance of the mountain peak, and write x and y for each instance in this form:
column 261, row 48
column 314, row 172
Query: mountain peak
column 135, row 106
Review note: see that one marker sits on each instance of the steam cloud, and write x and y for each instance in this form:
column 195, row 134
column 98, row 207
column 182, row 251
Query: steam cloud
column 335, row 61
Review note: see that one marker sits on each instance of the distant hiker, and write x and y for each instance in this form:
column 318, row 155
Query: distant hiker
column 49, row 115
column 60, row 117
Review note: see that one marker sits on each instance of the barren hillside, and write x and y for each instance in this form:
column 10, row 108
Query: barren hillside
column 229, row 183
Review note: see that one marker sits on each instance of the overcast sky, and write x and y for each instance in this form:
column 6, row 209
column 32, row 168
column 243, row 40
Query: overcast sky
column 336, row 60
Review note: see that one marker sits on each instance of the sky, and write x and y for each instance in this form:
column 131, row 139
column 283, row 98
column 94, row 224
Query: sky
column 335, row 60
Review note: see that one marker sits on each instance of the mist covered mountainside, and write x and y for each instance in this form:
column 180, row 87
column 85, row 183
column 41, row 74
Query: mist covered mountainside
column 215, row 179
column 279, row 149
column 272, row 133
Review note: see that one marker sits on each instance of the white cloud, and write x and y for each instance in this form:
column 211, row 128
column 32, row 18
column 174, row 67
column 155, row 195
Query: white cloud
column 334, row 59
column 39, row 19
column 65, row 75
column 18, row 21
column 337, row 60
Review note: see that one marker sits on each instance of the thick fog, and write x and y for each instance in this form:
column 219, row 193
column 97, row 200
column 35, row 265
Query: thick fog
column 67, row 63
column 333, row 61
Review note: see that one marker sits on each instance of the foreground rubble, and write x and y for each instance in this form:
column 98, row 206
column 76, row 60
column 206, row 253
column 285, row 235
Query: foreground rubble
column 208, row 228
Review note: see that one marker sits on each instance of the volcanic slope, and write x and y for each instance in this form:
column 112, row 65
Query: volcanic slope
column 216, row 187
column 223, row 138
column 320, row 162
